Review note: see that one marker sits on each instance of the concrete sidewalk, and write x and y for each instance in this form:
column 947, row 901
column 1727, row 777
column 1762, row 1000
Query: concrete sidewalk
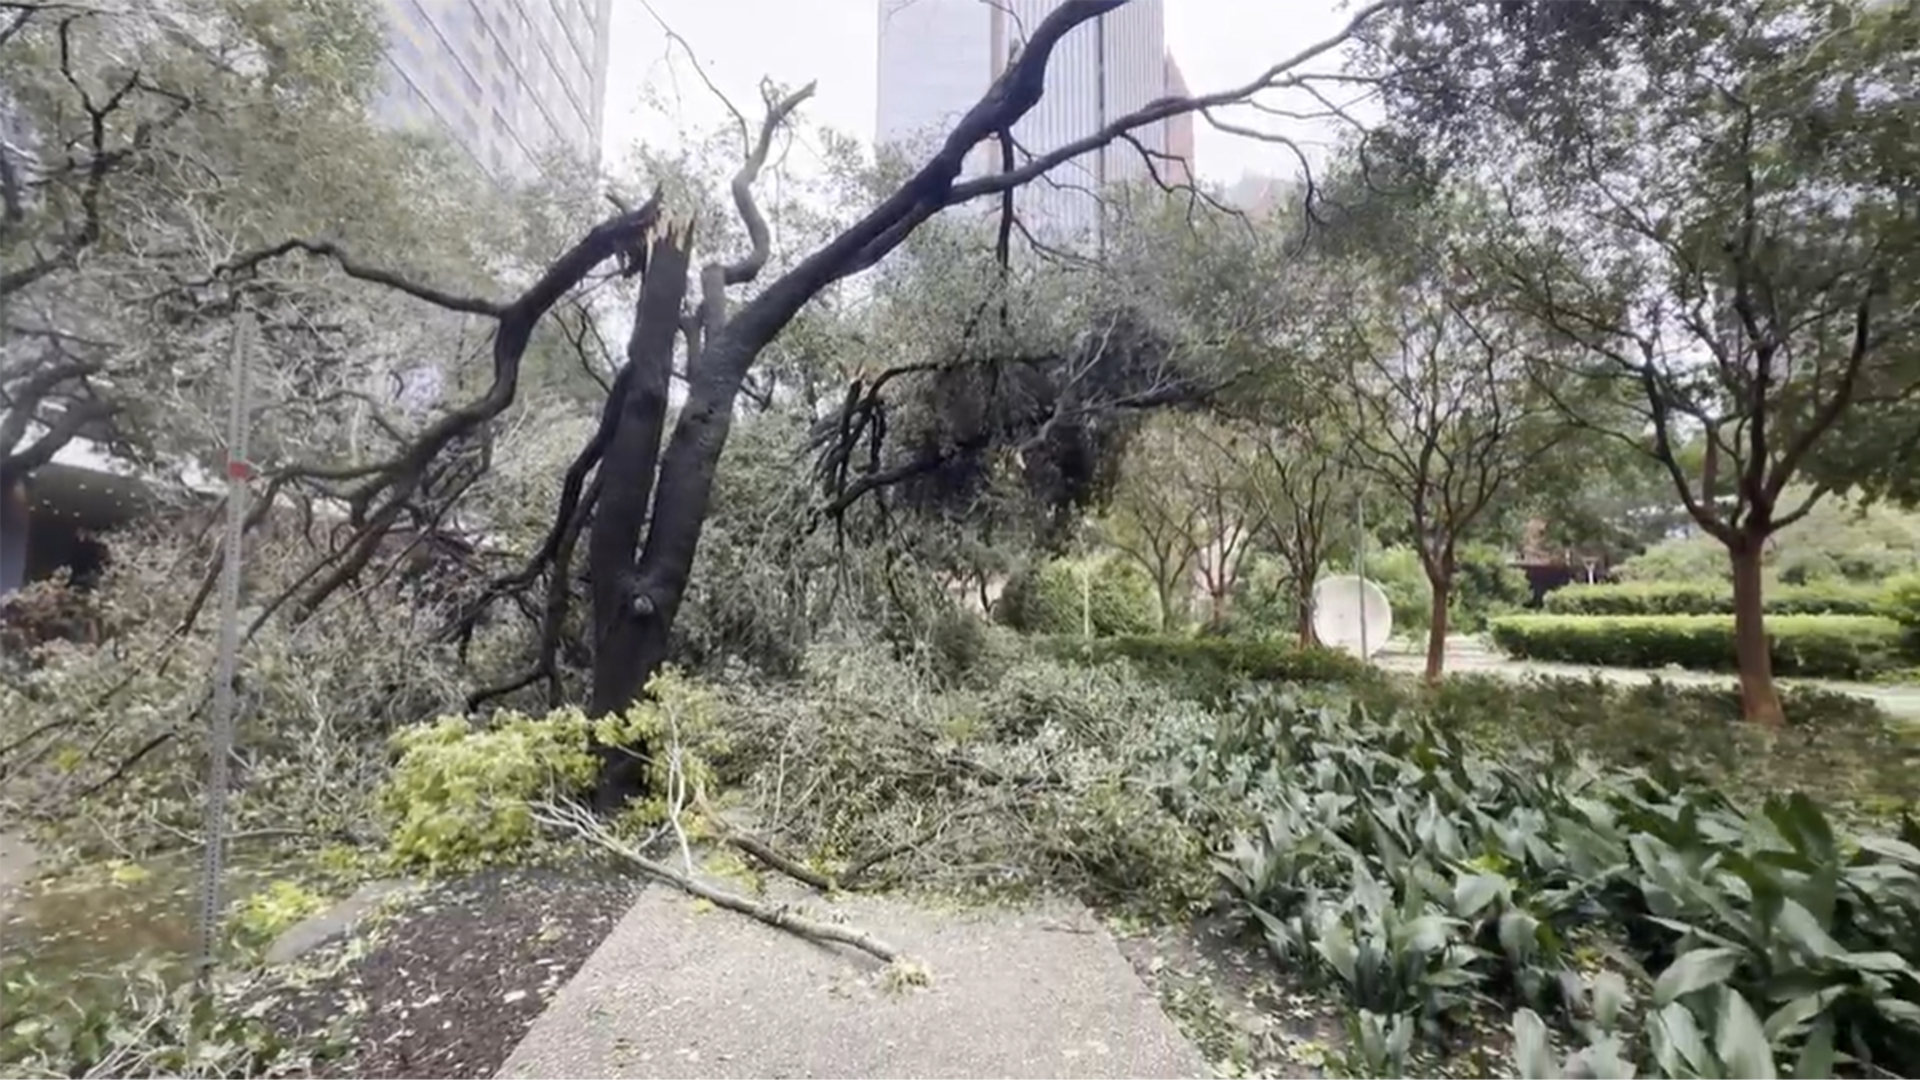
column 676, row 991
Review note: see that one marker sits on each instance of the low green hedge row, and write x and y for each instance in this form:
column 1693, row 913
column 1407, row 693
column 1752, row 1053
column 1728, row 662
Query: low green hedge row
column 1712, row 598
column 1818, row 646
column 1210, row 668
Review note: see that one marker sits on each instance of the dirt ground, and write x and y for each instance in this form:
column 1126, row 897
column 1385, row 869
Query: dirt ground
column 452, row 982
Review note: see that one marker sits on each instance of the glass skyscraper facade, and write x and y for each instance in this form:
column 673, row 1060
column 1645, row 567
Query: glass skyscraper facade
column 937, row 58
column 507, row 80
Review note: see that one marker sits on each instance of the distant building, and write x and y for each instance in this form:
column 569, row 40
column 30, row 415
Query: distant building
column 1259, row 196
column 937, row 57
column 506, row 80
column 1179, row 130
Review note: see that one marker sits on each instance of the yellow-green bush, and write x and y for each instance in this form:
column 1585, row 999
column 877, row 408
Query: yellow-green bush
column 461, row 794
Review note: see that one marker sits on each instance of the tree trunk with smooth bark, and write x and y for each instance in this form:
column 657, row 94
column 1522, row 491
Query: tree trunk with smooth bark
column 1442, row 585
column 1303, row 610
column 1759, row 697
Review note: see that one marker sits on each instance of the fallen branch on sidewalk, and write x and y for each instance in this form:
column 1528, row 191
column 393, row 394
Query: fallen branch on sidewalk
column 581, row 822
column 760, row 849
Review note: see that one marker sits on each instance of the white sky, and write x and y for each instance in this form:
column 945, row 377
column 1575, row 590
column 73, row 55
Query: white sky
column 1218, row 43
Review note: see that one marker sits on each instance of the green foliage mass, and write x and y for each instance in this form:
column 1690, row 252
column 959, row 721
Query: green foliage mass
column 1484, row 584
column 461, row 795
column 1837, row 541
column 1115, row 596
column 136, row 1020
column 1816, row 646
column 1711, row 598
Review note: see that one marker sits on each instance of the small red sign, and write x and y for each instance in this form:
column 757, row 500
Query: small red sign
column 239, row 470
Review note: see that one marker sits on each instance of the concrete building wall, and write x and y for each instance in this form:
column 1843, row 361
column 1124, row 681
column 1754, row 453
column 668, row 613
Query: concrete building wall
column 507, row 80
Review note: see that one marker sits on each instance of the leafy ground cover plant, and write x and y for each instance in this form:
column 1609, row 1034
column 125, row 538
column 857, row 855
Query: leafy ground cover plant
column 1427, row 880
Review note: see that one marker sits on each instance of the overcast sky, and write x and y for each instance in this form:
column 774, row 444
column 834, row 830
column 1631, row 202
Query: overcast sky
column 1217, row 43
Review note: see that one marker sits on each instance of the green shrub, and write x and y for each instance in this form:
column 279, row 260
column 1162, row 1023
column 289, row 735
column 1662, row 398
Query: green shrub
column 1684, row 559
column 1485, row 584
column 1398, row 572
column 1710, row 598
column 1900, row 600
column 1115, row 596
column 1212, row 668
column 1263, row 599
column 1819, row 646
column 461, row 796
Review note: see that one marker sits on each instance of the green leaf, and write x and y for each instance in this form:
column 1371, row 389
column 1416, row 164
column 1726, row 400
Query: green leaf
column 1428, row 933
column 1804, row 826
column 1472, row 892
column 1678, row 1045
column 1695, row 970
column 1795, row 921
column 1888, row 848
column 1787, row 1019
column 1740, row 1040
column 1519, row 934
column 1899, row 1010
column 1532, row 1051
column 1887, row 962
column 1609, row 999
column 1816, row 1057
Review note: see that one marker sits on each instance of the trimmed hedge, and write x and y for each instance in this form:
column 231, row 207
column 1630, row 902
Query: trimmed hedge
column 1902, row 600
column 1711, row 598
column 1211, row 668
column 1820, row 646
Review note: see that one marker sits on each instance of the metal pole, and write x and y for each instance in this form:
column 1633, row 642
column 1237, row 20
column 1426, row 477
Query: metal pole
column 1360, row 569
column 220, row 735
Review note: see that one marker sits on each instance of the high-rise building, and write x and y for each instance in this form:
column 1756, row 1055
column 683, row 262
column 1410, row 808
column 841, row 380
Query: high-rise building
column 507, row 80
column 1179, row 131
column 937, row 57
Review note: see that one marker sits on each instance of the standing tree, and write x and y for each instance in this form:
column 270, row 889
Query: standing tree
column 1160, row 514
column 1438, row 408
column 1299, row 482
column 1719, row 212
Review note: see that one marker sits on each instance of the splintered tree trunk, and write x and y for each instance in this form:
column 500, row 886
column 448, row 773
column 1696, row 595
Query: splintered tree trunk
column 630, row 630
column 1437, row 632
column 1759, row 698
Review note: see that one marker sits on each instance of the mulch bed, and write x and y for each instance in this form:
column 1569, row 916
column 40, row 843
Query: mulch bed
column 456, row 979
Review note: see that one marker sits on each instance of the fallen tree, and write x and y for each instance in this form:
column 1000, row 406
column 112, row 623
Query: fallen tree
column 640, row 492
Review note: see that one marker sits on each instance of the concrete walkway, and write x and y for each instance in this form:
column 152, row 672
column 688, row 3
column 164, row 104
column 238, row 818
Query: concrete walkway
column 678, row 991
